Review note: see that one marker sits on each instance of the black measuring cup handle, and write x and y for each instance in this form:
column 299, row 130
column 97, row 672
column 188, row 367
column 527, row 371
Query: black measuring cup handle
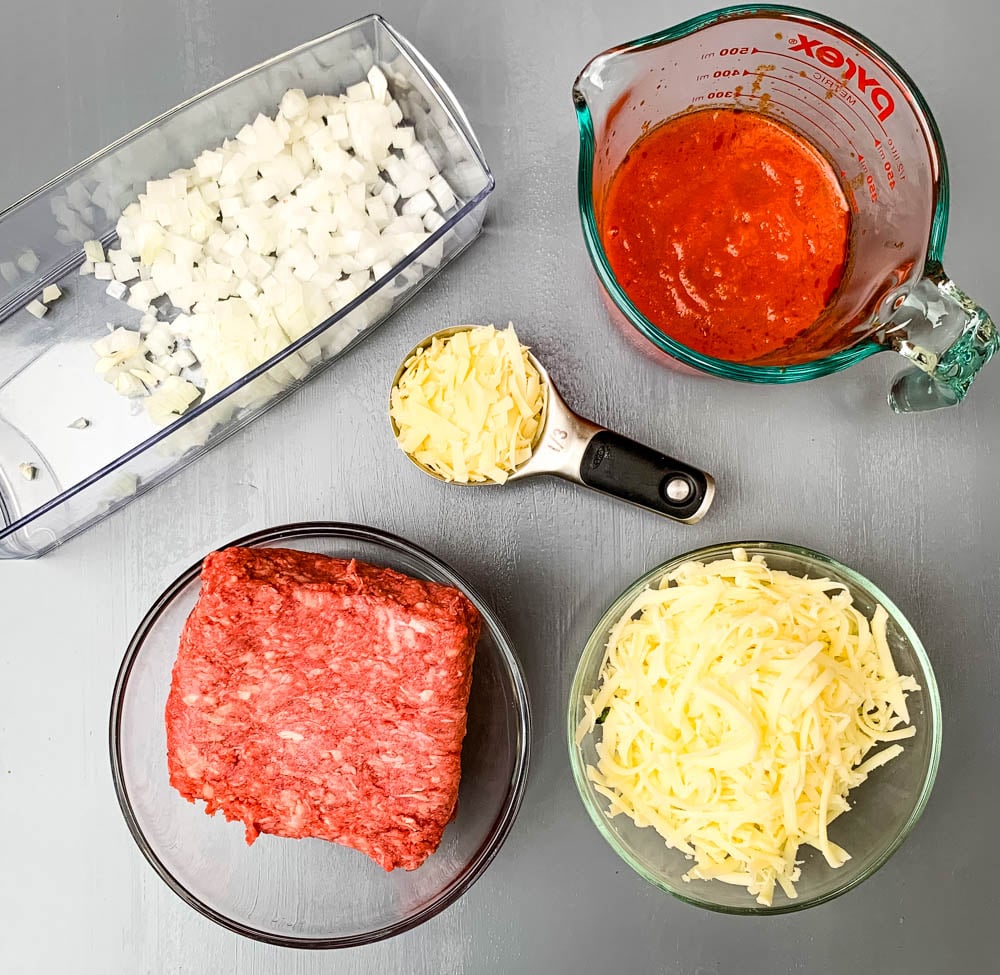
column 643, row 476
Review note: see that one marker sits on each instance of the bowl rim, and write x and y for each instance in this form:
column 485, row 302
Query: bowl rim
column 505, row 816
column 597, row 641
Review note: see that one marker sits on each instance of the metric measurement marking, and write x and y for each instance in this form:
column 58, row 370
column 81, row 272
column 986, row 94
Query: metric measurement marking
column 810, row 91
column 771, row 100
column 849, row 102
column 839, row 82
column 811, row 105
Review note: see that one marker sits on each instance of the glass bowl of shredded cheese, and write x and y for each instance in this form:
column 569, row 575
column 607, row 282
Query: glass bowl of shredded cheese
column 754, row 727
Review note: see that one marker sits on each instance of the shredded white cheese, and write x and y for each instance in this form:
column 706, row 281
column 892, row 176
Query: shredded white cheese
column 739, row 704
column 468, row 407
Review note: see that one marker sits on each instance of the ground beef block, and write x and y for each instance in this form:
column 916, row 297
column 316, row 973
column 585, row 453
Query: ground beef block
column 322, row 697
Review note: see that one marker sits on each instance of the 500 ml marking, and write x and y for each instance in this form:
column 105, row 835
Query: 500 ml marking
column 725, row 53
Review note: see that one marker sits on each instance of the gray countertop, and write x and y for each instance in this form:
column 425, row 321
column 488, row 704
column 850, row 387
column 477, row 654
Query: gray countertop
column 909, row 501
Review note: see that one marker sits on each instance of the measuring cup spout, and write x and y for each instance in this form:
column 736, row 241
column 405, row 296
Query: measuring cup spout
column 946, row 337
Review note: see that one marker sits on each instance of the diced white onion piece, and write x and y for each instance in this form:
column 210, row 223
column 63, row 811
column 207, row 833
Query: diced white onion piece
column 418, row 205
column 361, row 92
column 172, row 398
column 145, row 376
column 28, row 262
column 403, row 137
column 123, row 486
column 442, row 192
column 411, row 182
column 103, row 271
column 160, row 341
column 128, row 385
column 36, row 308
column 433, row 256
column 156, row 370
column 87, row 267
column 294, row 105
column 433, row 221
column 184, row 358
column 77, row 195
column 117, row 290
column 51, row 293
column 9, row 272
column 419, row 158
column 378, row 83
column 389, row 194
column 125, row 272
column 119, row 342
column 170, row 365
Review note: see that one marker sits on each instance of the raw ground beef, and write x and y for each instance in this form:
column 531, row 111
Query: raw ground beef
column 322, row 697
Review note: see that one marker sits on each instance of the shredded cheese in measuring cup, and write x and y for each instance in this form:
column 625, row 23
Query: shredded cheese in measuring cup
column 737, row 704
column 468, row 407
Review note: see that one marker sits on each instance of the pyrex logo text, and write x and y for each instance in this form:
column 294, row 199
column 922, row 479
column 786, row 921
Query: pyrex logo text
column 832, row 58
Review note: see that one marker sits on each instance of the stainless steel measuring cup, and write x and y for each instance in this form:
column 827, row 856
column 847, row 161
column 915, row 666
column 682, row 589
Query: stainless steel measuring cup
column 578, row 450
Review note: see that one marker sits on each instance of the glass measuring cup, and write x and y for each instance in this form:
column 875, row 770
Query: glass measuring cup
column 578, row 450
column 859, row 108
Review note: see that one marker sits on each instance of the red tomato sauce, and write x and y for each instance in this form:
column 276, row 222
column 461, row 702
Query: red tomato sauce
column 728, row 230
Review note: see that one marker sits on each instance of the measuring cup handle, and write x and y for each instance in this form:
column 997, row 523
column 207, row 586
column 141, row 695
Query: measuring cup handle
column 633, row 472
column 946, row 337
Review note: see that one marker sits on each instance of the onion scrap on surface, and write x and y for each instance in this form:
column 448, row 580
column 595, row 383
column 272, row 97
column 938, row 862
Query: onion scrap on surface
column 737, row 705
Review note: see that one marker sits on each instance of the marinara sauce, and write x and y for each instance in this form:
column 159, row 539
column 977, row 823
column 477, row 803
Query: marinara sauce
column 728, row 230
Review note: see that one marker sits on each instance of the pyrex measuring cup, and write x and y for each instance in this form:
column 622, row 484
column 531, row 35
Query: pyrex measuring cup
column 578, row 450
column 854, row 103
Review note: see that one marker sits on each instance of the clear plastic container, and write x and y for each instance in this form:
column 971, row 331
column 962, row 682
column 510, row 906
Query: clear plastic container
column 57, row 478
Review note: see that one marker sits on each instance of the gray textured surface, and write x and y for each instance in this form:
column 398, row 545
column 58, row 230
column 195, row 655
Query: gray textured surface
column 909, row 501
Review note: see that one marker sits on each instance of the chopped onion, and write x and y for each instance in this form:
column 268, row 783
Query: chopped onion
column 266, row 236
column 184, row 358
column 28, row 262
column 170, row 400
column 94, row 251
column 36, row 308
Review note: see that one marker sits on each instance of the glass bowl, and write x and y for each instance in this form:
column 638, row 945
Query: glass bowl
column 884, row 808
column 311, row 893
